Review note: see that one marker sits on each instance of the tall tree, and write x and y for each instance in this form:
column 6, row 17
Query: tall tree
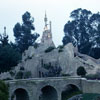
column 9, row 56
column 23, row 32
column 83, row 31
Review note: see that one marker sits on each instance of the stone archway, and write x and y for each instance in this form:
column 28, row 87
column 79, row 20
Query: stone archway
column 20, row 94
column 48, row 93
column 70, row 90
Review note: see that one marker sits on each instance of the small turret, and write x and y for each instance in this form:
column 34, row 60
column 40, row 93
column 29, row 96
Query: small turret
column 4, row 34
column 50, row 27
column 45, row 20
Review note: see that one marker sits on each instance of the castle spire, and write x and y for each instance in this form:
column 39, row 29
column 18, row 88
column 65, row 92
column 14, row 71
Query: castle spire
column 50, row 27
column 4, row 34
column 45, row 19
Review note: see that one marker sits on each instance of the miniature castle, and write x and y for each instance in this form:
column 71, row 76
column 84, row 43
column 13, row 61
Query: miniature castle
column 67, row 57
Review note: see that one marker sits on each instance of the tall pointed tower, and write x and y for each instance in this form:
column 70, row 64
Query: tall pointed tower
column 47, row 32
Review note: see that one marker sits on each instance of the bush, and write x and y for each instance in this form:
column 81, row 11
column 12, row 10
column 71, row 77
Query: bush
column 22, row 68
column 92, row 76
column 49, row 49
column 98, row 98
column 12, row 73
column 60, row 48
column 19, row 75
column 3, row 91
column 54, row 71
column 81, row 71
column 27, row 74
column 47, row 66
column 65, row 74
column 36, row 45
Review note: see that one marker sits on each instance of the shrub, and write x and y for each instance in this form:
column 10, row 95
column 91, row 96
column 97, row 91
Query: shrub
column 11, row 73
column 65, row 74
column 98, row 98
column 60, row 48
column 19, row 75
column 47, row 66
column 27, row 74
column 7, row 79
column 36, row 45
column 49, row 49
column 22, row 68
column 92, row 76
column 81, row 71
column 3, row 91
column 54, row 71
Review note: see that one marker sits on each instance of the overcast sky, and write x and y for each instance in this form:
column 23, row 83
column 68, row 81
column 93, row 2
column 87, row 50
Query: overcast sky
column 58, row 12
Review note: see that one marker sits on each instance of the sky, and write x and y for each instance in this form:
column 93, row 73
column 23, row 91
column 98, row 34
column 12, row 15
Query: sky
column 58, row 11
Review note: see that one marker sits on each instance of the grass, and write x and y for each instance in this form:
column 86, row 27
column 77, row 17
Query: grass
column 85, row 96
column 90, row 96
column 69, row 95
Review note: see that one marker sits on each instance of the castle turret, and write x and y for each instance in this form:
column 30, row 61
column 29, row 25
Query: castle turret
column 47, row 33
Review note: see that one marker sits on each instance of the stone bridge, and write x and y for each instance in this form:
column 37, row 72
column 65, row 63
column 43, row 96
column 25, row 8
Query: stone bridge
column 52, row 88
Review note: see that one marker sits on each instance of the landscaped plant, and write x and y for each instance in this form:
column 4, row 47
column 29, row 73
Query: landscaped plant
column 27, row 74
column 49, row 49
column 92, row 76
column 60, row 48
column 3, row 91
column 19, row 75
column 11, row 73
column 53, row 71
column 36, row 45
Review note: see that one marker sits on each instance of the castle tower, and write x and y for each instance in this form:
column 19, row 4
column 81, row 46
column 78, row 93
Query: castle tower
column 4, row 34
column 47, row 33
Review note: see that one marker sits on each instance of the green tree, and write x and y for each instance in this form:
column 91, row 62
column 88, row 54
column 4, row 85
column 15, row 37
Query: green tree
column 83, row 30
column 23, row 32
column 3, row 91
column 9, row 58
column 81, row 71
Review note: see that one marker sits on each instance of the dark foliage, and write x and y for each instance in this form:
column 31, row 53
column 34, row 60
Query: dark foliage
column 19, row 75
column 53, row 71
column 23, row 74
column 60, row 48
column 36, row 45
column 23, row 33
column 83, row 30
column 9, row 58
column 49, row 49
column 3, row 91
column 93, row 76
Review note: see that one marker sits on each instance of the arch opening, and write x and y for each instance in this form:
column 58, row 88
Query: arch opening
column 48, row 93
column 20, row 94
column 70, row 91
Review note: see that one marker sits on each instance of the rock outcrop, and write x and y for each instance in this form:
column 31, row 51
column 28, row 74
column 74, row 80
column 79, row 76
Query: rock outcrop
column 68, row 59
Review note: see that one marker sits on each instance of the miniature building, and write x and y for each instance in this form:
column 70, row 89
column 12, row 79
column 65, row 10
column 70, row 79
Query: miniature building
column 47, row 33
